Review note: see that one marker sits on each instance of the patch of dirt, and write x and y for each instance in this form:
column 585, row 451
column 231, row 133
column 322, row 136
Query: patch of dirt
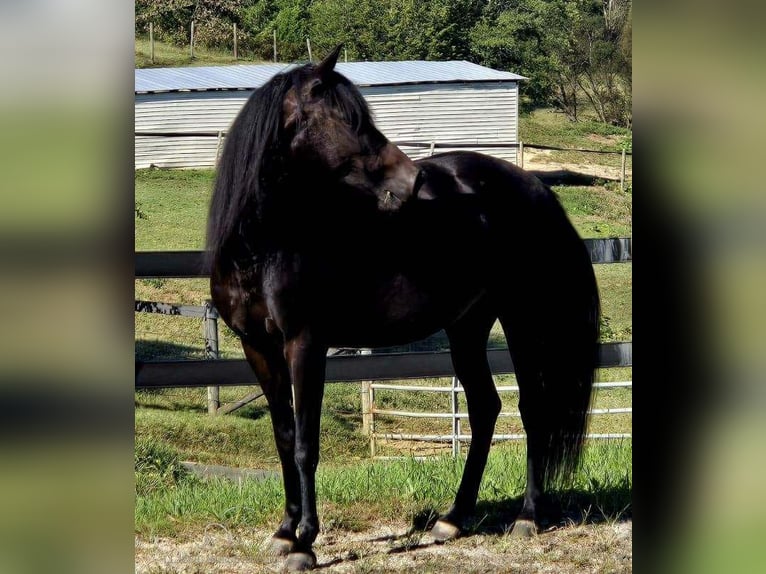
column 582, row 548
column 541, row 159
column 606, row 140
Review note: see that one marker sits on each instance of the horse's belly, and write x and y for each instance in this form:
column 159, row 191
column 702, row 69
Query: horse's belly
column 400, row 311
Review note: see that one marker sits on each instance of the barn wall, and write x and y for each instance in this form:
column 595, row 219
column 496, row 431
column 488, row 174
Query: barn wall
column 183, row 112
column 467, row 113
column 472, row 113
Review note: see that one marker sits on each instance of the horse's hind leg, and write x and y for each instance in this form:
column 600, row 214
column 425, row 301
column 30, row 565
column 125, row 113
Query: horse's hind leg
column 468, row 345
column 528, row 368
column 271, row 370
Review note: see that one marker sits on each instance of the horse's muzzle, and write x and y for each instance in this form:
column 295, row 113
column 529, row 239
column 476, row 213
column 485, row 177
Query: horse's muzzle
column 401, row 181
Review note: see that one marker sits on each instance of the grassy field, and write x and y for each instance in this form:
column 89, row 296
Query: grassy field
column 170, row 500
column 169, row 55
column 355, row 493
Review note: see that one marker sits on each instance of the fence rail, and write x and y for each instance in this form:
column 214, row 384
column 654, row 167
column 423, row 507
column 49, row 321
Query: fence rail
column 457, row 436
column 420, row 144
column 192, row 264
column 342, row 368
column 558, row 177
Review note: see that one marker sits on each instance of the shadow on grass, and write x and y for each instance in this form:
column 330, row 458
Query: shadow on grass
column 251, row 411
column 163, row 350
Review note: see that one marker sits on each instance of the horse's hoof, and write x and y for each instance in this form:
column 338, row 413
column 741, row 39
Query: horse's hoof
column 300, row 561
column 443, row 531
column 279, row 546
column 523, row 528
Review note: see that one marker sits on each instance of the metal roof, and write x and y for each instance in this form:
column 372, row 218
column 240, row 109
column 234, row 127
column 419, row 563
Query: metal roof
column 361, row 73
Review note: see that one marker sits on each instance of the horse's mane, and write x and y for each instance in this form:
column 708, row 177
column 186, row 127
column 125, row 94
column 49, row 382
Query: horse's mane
column 252, row 163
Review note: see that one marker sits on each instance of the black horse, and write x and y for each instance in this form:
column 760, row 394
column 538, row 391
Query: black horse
column 323, row 233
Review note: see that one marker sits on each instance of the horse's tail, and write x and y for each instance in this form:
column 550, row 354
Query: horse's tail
column 553, row 336
column 570, row 358
column 569, row 354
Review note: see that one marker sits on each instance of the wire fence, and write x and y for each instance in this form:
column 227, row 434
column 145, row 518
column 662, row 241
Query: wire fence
column 432, row 146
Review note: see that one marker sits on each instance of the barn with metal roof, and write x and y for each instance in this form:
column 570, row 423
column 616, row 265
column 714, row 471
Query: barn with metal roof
column 412, row 101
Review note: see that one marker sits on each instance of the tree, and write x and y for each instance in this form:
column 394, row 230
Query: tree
column 532, row 38
column 397, row 29
column 566, row 48
column 603, row 71
column 172, row 20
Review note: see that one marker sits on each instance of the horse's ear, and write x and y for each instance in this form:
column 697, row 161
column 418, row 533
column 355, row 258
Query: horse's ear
column 328, row 64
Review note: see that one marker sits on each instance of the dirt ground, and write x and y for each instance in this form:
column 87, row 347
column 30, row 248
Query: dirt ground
column 541, row 159
column 582, row 548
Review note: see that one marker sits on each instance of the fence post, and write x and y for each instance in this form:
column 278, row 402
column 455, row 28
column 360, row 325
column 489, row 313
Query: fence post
column 622, row 172
column 366, row 403
column 373, row 442
column 521, row 154
column 368, row 400
column 345, row 54
column 191, row 43
column 218, row 147
column 211, row 352
column 433, row 147
column 151, row 41
column 275, row 45
column 455, row 420
column 308, row 44
column 235, row 40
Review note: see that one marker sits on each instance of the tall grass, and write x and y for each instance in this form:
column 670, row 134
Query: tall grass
column 354, row 497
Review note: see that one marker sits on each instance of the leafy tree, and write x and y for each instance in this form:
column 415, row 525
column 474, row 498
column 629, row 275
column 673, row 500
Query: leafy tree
column 605, row 47
column 566, row 48
column 172, row 20
column 396, row 29
column 512, row 36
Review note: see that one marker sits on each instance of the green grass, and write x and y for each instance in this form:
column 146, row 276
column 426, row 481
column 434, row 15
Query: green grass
column 598, row 211
column 169, row 55
column 356, row 497
column 546, row 126
column 173, row 206
column 179, row 418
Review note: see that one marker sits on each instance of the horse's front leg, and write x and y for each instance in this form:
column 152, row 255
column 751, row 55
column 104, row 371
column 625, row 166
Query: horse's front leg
column 271, row 370
column 306, row 360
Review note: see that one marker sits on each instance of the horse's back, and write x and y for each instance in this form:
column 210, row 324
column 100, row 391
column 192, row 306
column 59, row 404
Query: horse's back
column 528, row 231
column 516, row 204
column 475, row 172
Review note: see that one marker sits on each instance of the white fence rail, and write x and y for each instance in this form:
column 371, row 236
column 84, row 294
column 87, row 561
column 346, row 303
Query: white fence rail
column 456, row 437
